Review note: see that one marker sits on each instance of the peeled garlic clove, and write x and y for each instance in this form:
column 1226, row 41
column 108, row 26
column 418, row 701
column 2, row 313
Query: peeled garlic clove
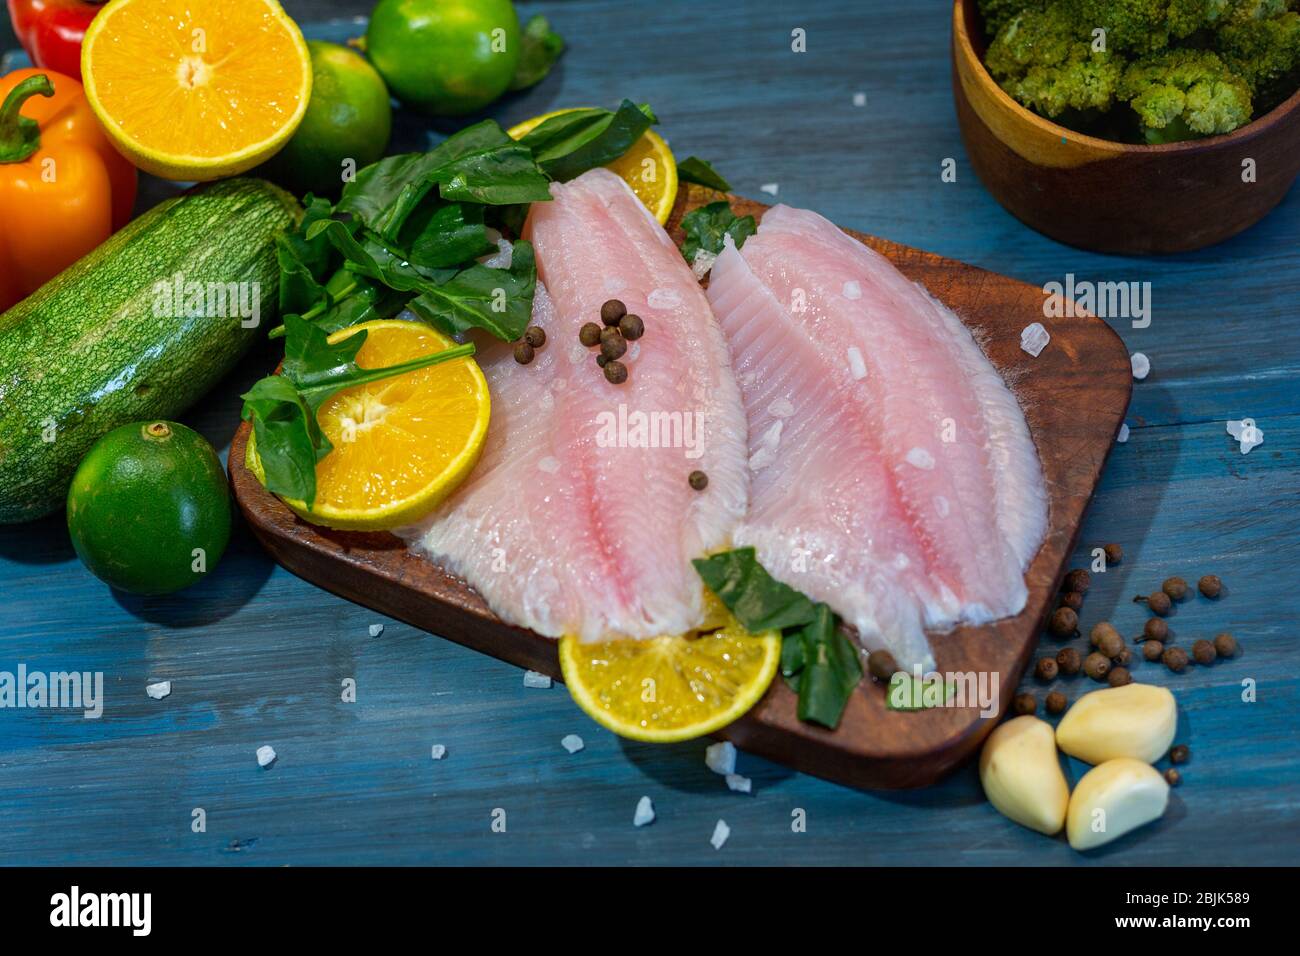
column 1136, row 720
column 1112, row 799
column 1022, row 777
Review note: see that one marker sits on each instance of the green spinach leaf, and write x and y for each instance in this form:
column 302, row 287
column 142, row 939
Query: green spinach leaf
column 568, row 145
column 498, row 300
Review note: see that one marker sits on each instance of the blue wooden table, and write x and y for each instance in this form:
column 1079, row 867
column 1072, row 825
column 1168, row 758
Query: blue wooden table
column 858, row 127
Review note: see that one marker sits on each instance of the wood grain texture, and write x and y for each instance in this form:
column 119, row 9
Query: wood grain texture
column 1116, row 197
column 257, row 656
column 1074, row 396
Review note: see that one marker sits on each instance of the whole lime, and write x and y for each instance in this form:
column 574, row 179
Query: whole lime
column 149, row 510
column 445, row 57
column 347, row 124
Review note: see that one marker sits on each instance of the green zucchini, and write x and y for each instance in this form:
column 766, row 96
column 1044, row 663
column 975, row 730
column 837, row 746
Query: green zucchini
column 108, row 341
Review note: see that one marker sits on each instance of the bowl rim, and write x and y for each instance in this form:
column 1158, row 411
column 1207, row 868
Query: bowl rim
column 961, row 36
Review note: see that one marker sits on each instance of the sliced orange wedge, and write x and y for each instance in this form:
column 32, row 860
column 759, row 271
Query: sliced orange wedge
column 401, row 445
column 196, row 89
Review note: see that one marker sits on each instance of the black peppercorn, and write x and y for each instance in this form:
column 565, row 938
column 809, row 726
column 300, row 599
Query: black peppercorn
column 1055, row 702
column 1068, row 660
column 1064, row 622
column 1210, row 585
column 1096, row 665
column 1024, row 703
column 1204, row 652
column 1046, row 668
column 612, row 311
column 882, row 665
column 1225, row 645
column 1175, row 659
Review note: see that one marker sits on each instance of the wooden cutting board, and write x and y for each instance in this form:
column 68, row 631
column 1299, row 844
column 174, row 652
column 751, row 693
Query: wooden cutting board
column 1074, row 396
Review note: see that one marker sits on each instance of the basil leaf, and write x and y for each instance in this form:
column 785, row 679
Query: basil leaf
column 311, row 361
column 700, row 171
column 498, row 300
column 707, row 227
column 540, row 48
column 568, row 145
column 289, row 439
column 831, row 672
column 368, row 301
column 370, row 257
column 759, row 601
column 478, row 164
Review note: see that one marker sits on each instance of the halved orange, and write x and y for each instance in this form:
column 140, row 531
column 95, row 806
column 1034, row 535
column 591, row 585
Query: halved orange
column 401, row 445
column 196, row 89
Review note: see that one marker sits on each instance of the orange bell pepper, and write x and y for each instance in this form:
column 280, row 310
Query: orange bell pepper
column 64, row 189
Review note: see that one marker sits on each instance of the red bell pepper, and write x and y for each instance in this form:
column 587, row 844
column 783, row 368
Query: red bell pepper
column 51, row 31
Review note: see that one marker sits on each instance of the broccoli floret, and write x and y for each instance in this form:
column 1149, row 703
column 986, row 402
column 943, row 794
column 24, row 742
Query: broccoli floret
column 1044, row 61
column 1145, row 26
column 998, row 13
column 1183, row 94
column 1262, row 51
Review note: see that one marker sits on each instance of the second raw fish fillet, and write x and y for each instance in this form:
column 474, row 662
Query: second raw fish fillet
column 579, row 518
column 893, row 475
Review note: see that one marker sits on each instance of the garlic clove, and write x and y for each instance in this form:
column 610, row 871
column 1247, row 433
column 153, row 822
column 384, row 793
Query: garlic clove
column 1114, row 798
column 1021, row 774
column 1135, row 720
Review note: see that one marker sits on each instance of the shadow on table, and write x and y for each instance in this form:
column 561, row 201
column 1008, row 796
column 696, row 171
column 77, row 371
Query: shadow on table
column 681, row 766
column 43, row 541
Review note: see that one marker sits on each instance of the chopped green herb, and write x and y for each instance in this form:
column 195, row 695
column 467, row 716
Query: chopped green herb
column 700, row 171
column 707, row 227
column 831, row 670
column 541, row 47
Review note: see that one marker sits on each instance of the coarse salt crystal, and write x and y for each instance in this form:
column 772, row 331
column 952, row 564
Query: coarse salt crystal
column 376, row 630
column 549, row 465
column 859, row 99
column 852, row 290
column 1122, row 437
column 739, row 784
column 663, row 299
column 781, row 408
column 941, row 505
column 766, row 451
column 720, row 833
column 857, row 365
column 1247, row 433
column 265, row 756
column 1034, row 338
column 703, row 262
column 770, row 188
column 920, row 458
column 721, row 757
column 502, row 258
column 645, row 812
column 1141, row 365
column 534, row 679
column 572, row 743
column 159, row 690
column 438, row 751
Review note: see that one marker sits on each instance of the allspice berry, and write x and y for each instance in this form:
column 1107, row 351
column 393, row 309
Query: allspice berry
column 1046, row 668
column 524, row 352
column 1078, row 581
column 1024, row 704
column 612, row 311
column 1119, row 676
column 1175, row 658
column 1056, row 702
column 1159, row 603
column 1225, row 645
column 1173, row 777
column 1152, row 650
column 589, row 334
column 1064, row 622
column 882, row 665
column 1072, row 599
column 1155, row 629
column 1096, row 665
column 1210, row 586
column 1204, row 652
column 1114, row 553
column 1110, row 643
column 1068, row 660
column 1176, row 588
column 1101, row 631
column 1124, row 658
column 1179, row 753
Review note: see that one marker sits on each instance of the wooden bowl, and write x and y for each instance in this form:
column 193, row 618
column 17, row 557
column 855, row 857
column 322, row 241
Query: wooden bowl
column 1108, row 196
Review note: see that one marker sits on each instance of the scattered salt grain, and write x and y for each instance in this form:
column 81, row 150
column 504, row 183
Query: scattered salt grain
column 613, row 285
column 1034, row 338
column 1141, row 365
column 663, row 299
column 852, row 290
column 920, row 458
column 549, row 465
column 265, row 756
column 534, row 679
column 159, row 690
column 572, row 743
column 768, row 444
column 781, row 408
column 721, row 757
column 1247, row 434
column 438, row 751
column 702, row 263
column 859, row 99
column 941, row 506
column 376, row 630
column 857, row 365
column 739, row 784
column 578, row 353
column 633, row 351
column 770, row 188
column 645, row 812
column 1122, row 437
column 720, row 833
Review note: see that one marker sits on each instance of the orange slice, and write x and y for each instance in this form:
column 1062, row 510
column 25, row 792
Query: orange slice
column 196, row 89
column 401, row 445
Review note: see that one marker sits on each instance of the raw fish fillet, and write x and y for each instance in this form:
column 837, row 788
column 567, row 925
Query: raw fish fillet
column 572, row 522
column 892, row 472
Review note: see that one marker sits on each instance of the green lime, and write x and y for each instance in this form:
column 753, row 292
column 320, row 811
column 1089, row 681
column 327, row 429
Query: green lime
column 346, row 127
column 148, row 510
column 445, row 57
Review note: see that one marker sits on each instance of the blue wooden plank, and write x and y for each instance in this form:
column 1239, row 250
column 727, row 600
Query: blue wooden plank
column 257, row 656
